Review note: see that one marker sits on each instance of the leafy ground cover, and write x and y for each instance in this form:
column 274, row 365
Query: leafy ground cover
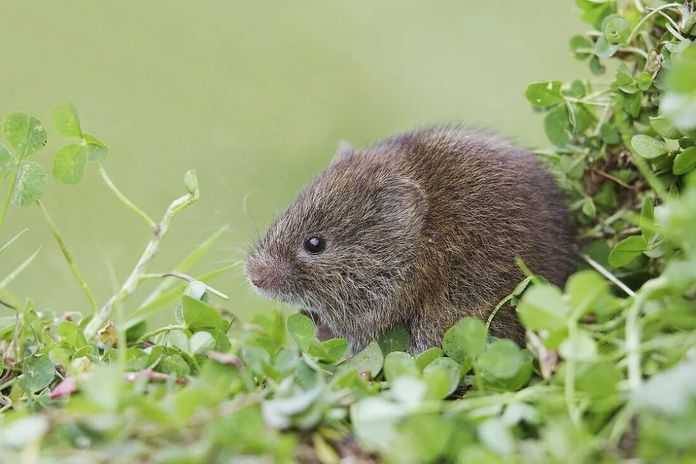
column 608, row 373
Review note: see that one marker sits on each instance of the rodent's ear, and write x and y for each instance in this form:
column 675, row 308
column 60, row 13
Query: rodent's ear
column 344, row 150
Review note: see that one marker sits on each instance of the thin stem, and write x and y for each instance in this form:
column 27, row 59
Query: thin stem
column 633, row 344
column 588, row 102
column 675, row 32
column 124, row 199
column 8, row 383
column 613, row 178
column 13, row 275
column 166, row 328
column 13, row 239
column 636, row 50
column 672, row 26
column 648, row 16
column 8, row 198
column 68, row 257
column 602, row 120
column 608, row 275
column 648, row 174
column 131, row 283
column 189, row 279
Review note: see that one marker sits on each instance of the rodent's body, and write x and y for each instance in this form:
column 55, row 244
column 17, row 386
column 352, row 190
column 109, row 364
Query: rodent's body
column 421, row 230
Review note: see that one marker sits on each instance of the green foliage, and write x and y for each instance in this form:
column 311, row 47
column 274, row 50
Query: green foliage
column 607, row 373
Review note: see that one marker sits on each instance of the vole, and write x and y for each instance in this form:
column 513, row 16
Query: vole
column 420, row 230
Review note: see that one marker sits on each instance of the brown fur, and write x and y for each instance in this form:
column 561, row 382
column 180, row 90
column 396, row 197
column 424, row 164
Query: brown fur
column 421, row 230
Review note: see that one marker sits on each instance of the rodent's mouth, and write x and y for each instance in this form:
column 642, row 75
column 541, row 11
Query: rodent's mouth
column 277, row 295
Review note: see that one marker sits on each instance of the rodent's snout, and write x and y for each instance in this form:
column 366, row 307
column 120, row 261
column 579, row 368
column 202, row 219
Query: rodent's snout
column 263, row 275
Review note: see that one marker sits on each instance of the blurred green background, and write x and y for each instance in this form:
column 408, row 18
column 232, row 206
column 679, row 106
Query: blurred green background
column 255, row 96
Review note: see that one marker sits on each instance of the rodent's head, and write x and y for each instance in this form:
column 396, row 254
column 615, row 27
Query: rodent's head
column 347, row 243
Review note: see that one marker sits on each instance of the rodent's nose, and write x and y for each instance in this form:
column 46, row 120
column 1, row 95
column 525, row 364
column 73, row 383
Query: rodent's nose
column 260, row 275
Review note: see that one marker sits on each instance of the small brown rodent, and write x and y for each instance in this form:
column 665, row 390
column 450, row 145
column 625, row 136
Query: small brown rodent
column 420, row 229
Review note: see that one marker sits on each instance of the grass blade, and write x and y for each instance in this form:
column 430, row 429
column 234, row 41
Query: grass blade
column 8, row 243
column 18, row 270
column 170, row 295
column 186, row 264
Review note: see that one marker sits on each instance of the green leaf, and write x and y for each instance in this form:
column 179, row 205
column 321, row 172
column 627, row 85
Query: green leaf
column 647, row 219
column 681, row 109
column 680, row 78
column 422, row 438
column 616, row 29
column 368, row 361
column 201, row 342
column 302, row 329
column 442, row 378
column 669, row 392
column 175, row 365
column 105, row 386
column 578, row 347
column 477, row 454
column 575, row 89
column 627, row 250
column 589, row 209
column 67, row 122
column 428, row 356
column 648, row 147
column 335, row 349
column 631, row 103
column 71, row 334
column 543, row 308
column 501, row 359
column 24, row 432
column 544, row 94
column 69, row 164
column 596, row 66
column 374, row 420
column 585, row 288
column 38, row 373
column 30, row 184
column 581, row 46
column 685, row 161
column 24, row 133
column 397, row 364
column 504, row 365
column 610, row 135
column 600, row 380
column 465, row 340
column 604, row 49
column 663, row 126
column 557, row 126
column 395, row 339
column 594, row 11
column 198, row 315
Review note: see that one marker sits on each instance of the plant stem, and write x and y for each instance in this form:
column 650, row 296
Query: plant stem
column 9, row 242
column 608, row 275
column 124, row 199
column 166, row 328
column 633, row 344
column 8, row 198
column 68, row 257
column 129, row 286
column 18, row 270
column 648, row 16
column 649, row 175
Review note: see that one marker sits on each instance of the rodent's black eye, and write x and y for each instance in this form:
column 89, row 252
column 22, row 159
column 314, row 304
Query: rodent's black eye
column 314, row 244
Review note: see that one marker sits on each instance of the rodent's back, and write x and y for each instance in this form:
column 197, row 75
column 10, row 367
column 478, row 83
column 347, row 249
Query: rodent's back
column 488, row 202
